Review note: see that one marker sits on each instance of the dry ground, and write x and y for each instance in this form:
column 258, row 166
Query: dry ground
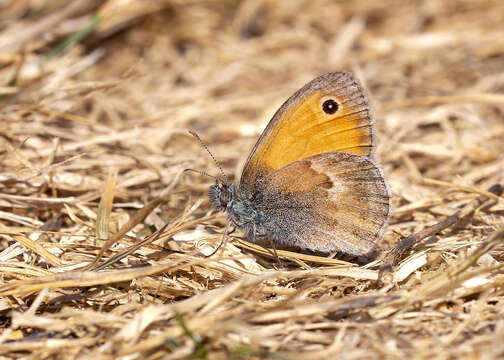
column 96, row 98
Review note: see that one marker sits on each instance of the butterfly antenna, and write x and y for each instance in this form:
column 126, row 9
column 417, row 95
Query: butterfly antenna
column 202, row 173
column 211, row 155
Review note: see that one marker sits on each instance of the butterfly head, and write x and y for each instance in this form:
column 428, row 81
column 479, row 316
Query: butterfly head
column 221, row 194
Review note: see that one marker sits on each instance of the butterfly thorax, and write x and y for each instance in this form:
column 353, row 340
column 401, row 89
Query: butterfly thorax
column 241, row 210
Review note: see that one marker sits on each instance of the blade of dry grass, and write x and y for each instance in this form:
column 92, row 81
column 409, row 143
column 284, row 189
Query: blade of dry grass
column 124, row 97
column 105, row 207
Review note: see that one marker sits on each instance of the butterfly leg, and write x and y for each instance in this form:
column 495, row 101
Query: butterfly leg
column 272, row 243
column 222, row 242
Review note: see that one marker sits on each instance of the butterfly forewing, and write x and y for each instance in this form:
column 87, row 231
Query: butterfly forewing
column 302, row 127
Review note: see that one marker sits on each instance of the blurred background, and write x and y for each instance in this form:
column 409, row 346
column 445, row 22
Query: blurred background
column 138, row 74
column 87, row 86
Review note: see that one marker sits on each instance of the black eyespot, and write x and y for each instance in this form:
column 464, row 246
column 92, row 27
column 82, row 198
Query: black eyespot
column 330, row 106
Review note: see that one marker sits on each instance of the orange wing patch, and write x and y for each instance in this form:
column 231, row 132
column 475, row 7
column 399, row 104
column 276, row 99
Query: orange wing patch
column 306, row 126
column 309, row 131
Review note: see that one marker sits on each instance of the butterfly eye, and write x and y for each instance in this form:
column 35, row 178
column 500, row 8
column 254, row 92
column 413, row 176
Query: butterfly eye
column 330, row 106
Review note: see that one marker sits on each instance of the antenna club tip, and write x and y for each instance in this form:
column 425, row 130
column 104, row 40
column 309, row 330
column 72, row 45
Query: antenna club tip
column 193, row 133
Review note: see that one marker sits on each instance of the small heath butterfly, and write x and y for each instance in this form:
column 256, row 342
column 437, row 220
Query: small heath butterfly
column 311, row 181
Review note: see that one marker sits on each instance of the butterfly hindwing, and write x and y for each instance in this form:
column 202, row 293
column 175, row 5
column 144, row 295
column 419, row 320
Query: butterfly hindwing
column 326, row 202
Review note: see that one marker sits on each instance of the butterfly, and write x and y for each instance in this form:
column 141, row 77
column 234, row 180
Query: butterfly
column 311, row 180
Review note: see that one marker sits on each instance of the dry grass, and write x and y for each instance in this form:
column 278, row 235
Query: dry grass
column 96, row 98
